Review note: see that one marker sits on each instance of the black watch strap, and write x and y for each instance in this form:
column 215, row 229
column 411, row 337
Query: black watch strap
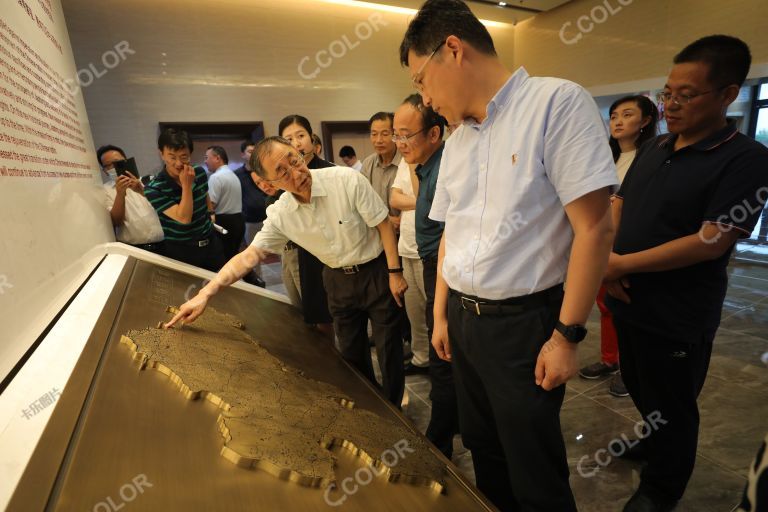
column 395, row 270
column 574, row 333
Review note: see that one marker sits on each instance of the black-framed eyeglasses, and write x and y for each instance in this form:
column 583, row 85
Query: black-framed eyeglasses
column 682, row 99
column 295, row 161
column 418, row 79
column 406, row 139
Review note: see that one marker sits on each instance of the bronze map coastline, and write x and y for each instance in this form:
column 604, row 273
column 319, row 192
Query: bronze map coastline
column 271, row 416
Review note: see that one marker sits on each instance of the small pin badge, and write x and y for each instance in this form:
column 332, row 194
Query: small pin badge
column 514, row 159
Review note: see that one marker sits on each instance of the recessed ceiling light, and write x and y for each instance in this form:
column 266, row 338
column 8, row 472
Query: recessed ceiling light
column 503, row 4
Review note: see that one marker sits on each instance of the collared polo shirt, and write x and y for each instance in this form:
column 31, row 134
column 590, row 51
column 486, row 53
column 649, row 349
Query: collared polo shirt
column 503, row 185
column 225, row 191
column 337, row 226
column 669, row 194
column 163, row 192
column 381, row 177
column 428, row 231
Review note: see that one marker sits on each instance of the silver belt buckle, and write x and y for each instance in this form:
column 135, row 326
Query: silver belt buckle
column 203, row 243
column 471, row 301
column 350, row 270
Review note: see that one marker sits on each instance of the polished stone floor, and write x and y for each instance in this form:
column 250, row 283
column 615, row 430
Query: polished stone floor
column 733, row 405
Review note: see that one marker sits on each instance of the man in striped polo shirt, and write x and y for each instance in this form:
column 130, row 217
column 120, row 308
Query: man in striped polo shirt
column 179, row 195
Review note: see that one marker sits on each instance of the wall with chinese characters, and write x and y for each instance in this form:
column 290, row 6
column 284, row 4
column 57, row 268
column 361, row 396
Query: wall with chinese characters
column 51, row 199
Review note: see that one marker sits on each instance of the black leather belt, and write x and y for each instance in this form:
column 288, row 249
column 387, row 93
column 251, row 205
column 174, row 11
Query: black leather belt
column 354, row 269
column 191, row 243
column 510, row 306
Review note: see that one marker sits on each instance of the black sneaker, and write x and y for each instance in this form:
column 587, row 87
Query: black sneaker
column 617, row 387
column 598, row 370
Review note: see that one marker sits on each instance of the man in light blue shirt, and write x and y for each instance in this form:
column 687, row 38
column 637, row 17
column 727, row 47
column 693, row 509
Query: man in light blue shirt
column 226, row 194
column 524, row 191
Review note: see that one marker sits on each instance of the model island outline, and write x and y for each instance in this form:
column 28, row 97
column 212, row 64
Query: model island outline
column 271, row 416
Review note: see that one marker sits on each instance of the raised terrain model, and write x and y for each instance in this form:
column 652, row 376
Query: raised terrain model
column 273, row 417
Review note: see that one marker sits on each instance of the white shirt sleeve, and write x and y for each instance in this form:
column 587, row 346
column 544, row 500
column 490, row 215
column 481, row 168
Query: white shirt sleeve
column 442, row 200
column 110, row 198
column 577, row 157
column 403, row 178
column 367, row 202
column 213, row 188
column 270, row 238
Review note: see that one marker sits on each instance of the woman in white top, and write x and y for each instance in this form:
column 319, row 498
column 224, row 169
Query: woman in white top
column 632, row 123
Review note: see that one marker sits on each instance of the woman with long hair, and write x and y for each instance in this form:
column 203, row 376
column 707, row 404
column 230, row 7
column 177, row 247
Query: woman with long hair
column 314, row 301
column 633, row 121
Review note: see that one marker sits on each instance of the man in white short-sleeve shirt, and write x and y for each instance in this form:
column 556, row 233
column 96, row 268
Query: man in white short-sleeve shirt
column 524, row 191
column 335, row 214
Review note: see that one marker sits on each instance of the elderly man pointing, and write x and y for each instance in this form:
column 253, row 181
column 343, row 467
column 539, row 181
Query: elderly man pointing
column 337, row 216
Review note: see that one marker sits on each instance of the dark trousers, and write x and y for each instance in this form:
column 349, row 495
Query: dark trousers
column 209, row 257
column 234, row 223
column 664, row 377
column 444, row 419
column 511, row 425
column 352, row 300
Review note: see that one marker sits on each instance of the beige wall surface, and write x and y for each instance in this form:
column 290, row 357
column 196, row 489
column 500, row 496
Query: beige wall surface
column 602, row 42
column 236, row 60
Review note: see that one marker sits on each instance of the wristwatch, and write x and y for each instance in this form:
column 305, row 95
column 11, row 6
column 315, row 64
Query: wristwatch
column 573, row 333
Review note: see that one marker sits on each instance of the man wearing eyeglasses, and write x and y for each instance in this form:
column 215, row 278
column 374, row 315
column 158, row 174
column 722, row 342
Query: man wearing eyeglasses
column 687, row 198
column 179, row 195
column 419, row 137
column 133, row 218
column 335, row 214
column 524, row 191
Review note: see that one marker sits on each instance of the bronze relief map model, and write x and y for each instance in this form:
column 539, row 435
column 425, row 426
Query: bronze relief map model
column 272, row 417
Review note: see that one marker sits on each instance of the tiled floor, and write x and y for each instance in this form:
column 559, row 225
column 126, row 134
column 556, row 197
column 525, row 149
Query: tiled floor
column 733, row 405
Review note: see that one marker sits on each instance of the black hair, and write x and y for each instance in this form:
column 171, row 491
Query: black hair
column 647, row 109
column 263, row 148
column 381, row 116
column 174, row 139
column 220, row 152
column 728, row 58
column 438, row 19
column 294, row 119
column 109, row 147
column 347, row 152
column 429, row 117
column 244, row 145
column 316, row 140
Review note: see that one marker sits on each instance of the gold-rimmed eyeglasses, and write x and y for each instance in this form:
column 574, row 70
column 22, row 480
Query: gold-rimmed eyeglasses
column 295, row 161
column 418, row 79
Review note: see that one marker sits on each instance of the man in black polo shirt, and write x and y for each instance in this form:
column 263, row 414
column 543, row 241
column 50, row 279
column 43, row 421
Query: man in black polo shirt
column 179, row 195
column 254, row 205
column 687, row 198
